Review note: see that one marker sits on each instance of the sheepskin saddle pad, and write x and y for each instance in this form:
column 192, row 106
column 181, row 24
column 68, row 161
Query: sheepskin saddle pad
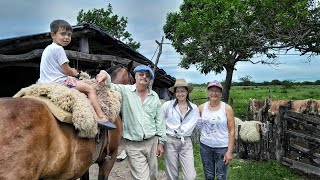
column 83, row 116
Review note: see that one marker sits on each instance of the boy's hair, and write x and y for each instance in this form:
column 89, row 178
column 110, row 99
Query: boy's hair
column 56, row 24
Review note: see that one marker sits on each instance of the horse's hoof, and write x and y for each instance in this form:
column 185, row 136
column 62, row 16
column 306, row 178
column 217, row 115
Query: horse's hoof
column 107, row 125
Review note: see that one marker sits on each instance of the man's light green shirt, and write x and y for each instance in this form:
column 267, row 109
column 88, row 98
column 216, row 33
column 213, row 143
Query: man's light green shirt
column 140, row 120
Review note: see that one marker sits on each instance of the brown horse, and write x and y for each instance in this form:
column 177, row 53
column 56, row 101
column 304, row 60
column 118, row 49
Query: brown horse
column 34, row 145
column 119, row 75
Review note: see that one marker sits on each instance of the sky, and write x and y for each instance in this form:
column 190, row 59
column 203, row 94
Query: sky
column 146, row 19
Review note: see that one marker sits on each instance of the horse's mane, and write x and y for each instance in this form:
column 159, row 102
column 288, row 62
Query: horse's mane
column 113, row 68
column 113, row 71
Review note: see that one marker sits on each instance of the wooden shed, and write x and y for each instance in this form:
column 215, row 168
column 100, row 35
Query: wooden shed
column 91, row 49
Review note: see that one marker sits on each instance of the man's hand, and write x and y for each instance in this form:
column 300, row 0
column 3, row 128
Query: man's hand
column 101, row 77
column 160, row 150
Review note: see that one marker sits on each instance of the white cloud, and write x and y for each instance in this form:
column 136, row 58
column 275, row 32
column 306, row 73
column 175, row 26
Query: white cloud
column 145, row 22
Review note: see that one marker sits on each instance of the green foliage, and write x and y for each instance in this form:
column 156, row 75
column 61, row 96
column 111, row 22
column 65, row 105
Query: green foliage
column 214, row 35
column 245, row 80
column 112, row 24
column 207, row 33
column 287, row 84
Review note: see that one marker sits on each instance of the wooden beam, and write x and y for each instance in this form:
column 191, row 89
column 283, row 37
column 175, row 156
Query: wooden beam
column 84, row 45
column 298, row 148
column 304, row 136
column 304, row 117
column 21, row 57
column 20, row 64
column 305, row 124
column 307, row 168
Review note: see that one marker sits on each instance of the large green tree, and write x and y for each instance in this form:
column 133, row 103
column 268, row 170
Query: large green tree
column 112, row 24
column 214, row 35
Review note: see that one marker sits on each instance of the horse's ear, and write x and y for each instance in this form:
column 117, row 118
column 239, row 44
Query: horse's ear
column 130, row 66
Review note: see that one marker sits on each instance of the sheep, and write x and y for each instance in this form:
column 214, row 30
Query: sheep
column 249, row 132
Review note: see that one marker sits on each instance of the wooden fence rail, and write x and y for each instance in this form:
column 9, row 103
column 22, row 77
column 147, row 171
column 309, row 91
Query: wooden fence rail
column 299, row 141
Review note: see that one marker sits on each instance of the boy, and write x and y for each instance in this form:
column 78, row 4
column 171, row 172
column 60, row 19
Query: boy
column 54, row 67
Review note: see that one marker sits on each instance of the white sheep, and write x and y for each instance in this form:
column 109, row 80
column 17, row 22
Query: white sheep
column 249, row 132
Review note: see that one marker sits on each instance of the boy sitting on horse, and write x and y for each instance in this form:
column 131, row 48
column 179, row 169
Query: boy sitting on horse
column 54, row 67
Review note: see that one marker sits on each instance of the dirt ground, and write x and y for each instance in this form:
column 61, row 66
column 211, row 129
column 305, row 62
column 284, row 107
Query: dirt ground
column 119, row 171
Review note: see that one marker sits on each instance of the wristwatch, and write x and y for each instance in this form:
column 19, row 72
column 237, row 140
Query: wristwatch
column 160, row 142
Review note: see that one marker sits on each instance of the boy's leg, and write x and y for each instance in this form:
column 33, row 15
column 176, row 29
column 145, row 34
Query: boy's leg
column 92, row 95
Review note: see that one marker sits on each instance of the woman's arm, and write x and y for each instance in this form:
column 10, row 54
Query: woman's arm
column 231, row 129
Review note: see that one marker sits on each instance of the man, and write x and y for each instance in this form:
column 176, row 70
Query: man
column 143, row 123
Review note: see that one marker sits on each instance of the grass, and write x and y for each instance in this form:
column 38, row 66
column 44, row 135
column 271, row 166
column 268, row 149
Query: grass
column 240, row 169
column 242, row 94
column 244, row 170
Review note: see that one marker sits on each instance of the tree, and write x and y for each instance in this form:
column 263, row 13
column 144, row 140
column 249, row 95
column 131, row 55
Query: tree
column 245, row 80
column 214, row 35
column 289, row 24
column 112, row 24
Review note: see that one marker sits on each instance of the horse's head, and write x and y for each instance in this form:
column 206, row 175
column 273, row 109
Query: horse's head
column 121, row 74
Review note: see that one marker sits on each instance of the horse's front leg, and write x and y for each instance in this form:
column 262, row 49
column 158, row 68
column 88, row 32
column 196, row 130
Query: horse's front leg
column 85, row 176
column 111, row 150
column 106, row 166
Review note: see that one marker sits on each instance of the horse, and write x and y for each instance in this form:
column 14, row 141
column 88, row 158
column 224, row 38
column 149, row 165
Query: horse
column 120, row 74
column 34, row 145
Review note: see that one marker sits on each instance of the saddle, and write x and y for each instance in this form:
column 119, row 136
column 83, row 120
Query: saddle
column 66, row 102
column 59, row 113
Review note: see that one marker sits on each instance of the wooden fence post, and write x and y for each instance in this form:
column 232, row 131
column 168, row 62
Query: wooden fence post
column 238, row 139
column 264, row 153
column 280, row 132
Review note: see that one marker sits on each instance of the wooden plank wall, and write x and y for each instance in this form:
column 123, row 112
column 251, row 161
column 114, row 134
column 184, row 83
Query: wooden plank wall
column 300, row 141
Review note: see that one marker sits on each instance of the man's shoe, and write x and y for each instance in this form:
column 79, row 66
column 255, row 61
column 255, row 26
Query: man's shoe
column 106, row 125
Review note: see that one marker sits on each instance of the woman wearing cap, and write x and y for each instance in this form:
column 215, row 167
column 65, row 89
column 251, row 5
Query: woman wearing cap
column 181, row 118
column 217, row 133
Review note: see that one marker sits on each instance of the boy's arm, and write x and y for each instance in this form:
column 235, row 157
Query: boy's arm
column 68, row 70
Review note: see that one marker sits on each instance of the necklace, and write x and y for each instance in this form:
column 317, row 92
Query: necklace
column 214, row 105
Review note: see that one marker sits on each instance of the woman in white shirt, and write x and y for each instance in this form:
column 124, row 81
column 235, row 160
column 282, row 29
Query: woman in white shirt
column 217, row 134
column 181, row 118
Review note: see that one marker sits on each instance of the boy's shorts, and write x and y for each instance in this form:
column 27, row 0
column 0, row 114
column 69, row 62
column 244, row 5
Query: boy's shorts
column 70, row 82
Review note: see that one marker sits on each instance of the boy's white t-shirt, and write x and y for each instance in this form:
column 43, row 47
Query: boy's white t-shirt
column 52, row 58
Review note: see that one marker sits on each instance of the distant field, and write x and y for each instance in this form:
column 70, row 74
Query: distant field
column 242, row 94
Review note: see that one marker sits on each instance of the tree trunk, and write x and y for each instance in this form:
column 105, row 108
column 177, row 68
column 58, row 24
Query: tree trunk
column 227, row 85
